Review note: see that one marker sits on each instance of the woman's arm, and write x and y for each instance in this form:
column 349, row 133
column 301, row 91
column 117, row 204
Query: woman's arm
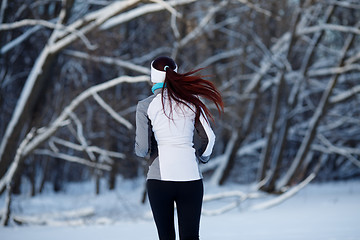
column 142, row 143
column 206, row 138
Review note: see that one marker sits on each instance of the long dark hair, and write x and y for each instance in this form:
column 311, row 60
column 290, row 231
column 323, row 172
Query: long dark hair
column 187, row 88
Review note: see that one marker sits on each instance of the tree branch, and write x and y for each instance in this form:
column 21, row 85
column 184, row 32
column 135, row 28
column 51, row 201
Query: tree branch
column 145, row 9
column 333, row 70
column 93, row 21
column 258, row 9
column 73, row 159
column 7, row 47
column 168, row 7
column 108, row 60
column 112, row 112
column 332, row 27
column 341, row 151
column 204, row 22
column 345, row 95
column 77, row 147
column 80, row 136
column 346, row 4
column 27, row 22
column 284, row 196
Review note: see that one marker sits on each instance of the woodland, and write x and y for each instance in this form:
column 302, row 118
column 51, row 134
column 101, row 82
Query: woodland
column 72, row 72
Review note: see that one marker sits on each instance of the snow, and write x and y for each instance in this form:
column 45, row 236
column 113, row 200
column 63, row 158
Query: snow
column 320, row 211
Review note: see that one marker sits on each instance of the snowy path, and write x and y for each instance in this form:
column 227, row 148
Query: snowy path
column 318, row 212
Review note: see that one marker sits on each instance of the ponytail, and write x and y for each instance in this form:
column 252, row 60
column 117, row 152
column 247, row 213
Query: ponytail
column 188, row 88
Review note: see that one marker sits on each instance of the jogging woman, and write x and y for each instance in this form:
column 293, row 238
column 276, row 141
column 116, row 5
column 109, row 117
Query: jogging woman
column 165, row 127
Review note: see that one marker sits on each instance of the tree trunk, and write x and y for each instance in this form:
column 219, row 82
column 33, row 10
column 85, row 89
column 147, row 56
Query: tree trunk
column 6, row 215
column 112, row 177
column 243, row 132
column 45, row 175
column 274, row 112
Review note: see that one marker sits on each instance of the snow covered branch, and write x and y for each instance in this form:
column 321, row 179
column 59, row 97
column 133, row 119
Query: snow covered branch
column 71, row 217
column 145, row 9
column 168, row 7
column 204, row 22
column 332, row 27
column 7, row 47
column 38, row 23
column 73, row 159
column 80, row 135
column 27, row 22
column 289, row 193
column 334, row 70
column 239, row 196
column 112, row 112
column 109, row 60
column 94, row 20
column 345, row 95
column 77, row 147
column 277, row 49
column 258, row 8
column 353, row 59
column 220, row 56
column 346, row 4
column 340, row 150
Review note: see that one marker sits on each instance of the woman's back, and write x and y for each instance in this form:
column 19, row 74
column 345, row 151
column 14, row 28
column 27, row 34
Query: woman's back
column 174, row 136
column 173, row 127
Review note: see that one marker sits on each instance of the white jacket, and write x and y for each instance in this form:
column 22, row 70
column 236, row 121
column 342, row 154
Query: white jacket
column 167, row 139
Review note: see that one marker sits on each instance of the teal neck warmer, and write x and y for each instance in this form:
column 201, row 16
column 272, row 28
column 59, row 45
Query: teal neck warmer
column 157, row 86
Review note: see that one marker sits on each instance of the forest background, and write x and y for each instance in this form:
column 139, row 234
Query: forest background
column 72, row 72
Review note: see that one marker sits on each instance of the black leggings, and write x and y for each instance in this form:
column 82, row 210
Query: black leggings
column 188, row 197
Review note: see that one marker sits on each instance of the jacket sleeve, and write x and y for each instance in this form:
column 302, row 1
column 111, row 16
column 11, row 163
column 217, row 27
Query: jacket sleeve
column 205, row 139
column 142, row 138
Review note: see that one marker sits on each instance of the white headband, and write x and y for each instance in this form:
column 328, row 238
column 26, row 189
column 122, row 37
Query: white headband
column 158, row 76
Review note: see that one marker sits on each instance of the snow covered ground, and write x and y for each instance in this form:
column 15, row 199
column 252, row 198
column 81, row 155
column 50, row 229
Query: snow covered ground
column 329, row 211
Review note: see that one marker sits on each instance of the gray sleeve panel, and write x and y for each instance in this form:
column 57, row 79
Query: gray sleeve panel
column 154, row 170
column 200, row 140
column 143, row 128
